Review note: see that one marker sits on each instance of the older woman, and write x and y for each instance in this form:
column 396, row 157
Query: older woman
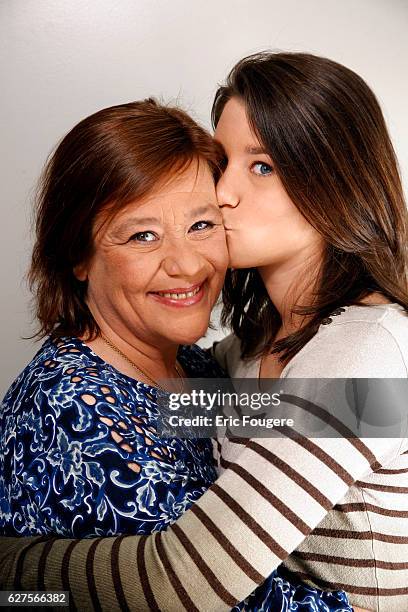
column 129, row 260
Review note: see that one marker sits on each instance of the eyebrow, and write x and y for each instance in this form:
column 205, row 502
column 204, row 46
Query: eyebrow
column 203, row 210
column 256, row 151
column 132, row 221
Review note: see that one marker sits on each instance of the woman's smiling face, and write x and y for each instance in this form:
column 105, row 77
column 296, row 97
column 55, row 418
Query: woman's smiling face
column 263, row 225
column 159, row 264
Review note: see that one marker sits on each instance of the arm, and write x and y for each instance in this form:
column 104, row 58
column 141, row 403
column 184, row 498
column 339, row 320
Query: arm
column 215, row 554
column 258, row 512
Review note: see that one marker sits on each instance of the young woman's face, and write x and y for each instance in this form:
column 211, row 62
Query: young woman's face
column 263, row 226
column 159, row 264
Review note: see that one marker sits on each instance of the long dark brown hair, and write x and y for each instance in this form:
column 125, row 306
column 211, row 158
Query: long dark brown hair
column 324, row 130
column 109, row 159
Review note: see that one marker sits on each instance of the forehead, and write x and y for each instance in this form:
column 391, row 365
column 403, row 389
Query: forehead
column 233, row 128
column 179, row 194
column 193, row 182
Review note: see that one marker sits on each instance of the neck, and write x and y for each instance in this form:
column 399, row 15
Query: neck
column 290, row 284
column 159, row 361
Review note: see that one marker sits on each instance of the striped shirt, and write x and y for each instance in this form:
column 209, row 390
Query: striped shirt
column 333, row 509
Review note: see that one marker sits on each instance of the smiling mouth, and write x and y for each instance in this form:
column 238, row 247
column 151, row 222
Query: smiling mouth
column 179, row 294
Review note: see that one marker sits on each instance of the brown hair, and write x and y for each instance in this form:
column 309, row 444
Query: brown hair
column 111, row 158
column 325, row 132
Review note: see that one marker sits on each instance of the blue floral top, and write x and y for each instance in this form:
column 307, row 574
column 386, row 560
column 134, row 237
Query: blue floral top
column 79, row 450
column 80, row 457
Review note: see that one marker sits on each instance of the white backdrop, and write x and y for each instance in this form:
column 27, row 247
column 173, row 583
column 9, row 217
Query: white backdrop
column 61, row 60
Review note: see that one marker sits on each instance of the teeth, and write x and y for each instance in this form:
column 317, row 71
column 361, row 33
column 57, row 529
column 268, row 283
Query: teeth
column 180, row 296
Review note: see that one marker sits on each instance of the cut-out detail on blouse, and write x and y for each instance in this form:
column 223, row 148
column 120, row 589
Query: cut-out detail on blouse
column 79, row 450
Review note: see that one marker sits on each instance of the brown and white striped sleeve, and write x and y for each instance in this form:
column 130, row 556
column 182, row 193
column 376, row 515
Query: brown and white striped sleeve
column 259, row 510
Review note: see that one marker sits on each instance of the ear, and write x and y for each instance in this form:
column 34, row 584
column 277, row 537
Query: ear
column 81, row 272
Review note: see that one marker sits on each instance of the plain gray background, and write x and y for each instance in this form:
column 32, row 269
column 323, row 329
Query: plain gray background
column 61, row 60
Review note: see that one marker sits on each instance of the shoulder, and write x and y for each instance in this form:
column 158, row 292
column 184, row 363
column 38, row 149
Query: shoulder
column 362, row 342
column 43, row 367
column 226, row 349
column 63, row 372
column 228, row 353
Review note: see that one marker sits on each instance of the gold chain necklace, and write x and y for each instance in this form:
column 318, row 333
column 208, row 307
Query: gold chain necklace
column 139, row 369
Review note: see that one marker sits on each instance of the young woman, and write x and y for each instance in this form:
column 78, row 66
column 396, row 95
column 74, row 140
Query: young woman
column 316, row 229
column 309, row 165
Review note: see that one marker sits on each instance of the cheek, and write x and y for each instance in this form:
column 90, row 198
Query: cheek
column 136, row 273
column 297, row 229
column 216, row 252
column 277, row 213
column 122, row 273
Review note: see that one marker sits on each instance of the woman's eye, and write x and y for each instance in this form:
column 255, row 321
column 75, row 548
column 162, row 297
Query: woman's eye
column 144, row 237
column 261, row 168
column 201, row 225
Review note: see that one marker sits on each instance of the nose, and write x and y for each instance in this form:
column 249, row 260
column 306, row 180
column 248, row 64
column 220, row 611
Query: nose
column 227, row 194
column 184, row 261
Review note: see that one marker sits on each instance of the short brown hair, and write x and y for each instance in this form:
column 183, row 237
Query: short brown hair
column 115, row 156
column 325, row 132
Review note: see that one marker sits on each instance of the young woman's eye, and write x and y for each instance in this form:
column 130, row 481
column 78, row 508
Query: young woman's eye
column 201, row 225
column 143, row 237
column 261, row 168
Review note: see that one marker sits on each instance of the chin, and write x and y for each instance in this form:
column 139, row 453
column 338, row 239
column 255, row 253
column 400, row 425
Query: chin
column 239, row 259
column 240, row 263
column 190, row 337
